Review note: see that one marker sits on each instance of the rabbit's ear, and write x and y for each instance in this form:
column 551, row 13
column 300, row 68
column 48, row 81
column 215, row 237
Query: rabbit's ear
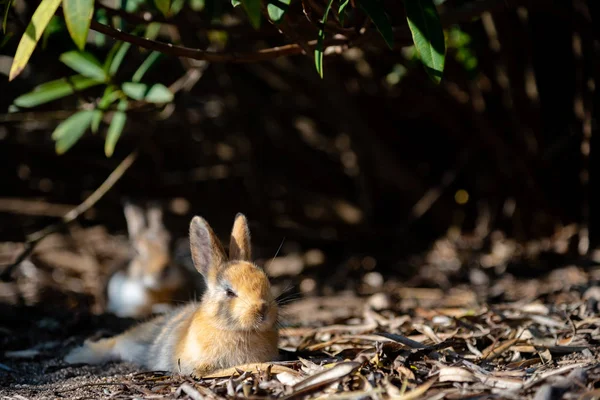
column 155, row 217
column 239, row 243
column 134, row 216
column 207, row 253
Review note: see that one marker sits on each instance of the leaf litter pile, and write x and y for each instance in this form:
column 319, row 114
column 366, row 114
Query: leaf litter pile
column 489, row 336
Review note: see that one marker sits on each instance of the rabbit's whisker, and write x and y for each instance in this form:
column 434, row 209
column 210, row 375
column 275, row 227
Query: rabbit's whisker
column 288, row 299
column 278, row 250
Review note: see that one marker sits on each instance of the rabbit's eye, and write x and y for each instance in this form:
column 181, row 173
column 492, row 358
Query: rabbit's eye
column 230, row 293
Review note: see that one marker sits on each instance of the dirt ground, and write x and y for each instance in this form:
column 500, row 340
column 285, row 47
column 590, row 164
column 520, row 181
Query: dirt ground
column 446, row 333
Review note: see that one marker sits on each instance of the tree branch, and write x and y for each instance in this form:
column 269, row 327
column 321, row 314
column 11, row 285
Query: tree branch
column 402, row 33
column 211, row 56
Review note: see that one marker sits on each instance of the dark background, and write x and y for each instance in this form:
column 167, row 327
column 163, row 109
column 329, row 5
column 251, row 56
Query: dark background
column 350, row 164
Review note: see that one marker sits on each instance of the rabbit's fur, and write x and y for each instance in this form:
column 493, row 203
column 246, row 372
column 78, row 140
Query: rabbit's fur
column 151, row 282
column 234, row 323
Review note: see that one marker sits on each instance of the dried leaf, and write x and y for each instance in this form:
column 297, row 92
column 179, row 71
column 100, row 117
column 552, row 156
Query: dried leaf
column 456, row 374
column 326, row 377
column 288, row 378
column 495, row 351
column 190, row 391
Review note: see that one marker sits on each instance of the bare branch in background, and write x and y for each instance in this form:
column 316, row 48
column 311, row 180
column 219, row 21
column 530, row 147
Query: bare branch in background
column 34, row 238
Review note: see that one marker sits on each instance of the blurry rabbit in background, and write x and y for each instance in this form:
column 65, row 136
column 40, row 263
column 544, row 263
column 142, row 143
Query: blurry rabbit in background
column 151, row 282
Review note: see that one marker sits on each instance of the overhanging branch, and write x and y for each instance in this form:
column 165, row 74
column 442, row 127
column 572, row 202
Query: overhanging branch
column 402, row 33
column 211, row 56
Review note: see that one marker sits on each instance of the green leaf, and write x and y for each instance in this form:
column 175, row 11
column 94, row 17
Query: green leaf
column 428, row 36
column 218, row 37
column 111, row 55
column 84, row 63
column 5, row 17
column 35, row 28
column 236, row 3
column 68, row 132
column 374, row 9
column 156, row 93
column 132, row 5
column 252, row 8
column 96, row 119
column 342, row 11
column 78, row 15
column 152, row 30
column 110, row 95
column 148, row 62
column 116, row 128
column 277, row 9
column 321, row 38
column 118, row 59
column 177, row 6
column 102, row 17
column 197, row 5
column 163, row 6
column 55, row 90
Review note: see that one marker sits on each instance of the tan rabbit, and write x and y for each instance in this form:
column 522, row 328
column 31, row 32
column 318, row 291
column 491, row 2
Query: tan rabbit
column 152, row 282
column 234, row 323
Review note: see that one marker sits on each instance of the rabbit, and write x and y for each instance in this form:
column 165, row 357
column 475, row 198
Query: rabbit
column 234, row 323
column 151, row 283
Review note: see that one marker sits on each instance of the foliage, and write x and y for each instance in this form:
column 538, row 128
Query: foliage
column 277, row 9
column 78, row 15
column 40, row 19
column 428, row 36
column 77, row 18
column 319, row 48
column 460, row 42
